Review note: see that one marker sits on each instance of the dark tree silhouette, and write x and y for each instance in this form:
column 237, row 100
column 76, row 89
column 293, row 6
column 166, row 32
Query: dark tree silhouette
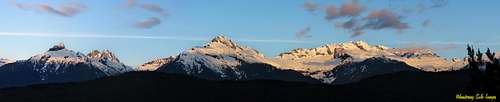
column 484, row 72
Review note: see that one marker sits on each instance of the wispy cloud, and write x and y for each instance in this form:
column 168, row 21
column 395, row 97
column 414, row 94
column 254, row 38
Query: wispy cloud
column 154, row 8
column 352, row 8
column 375, row 20
column 426, row 23
column 438, row 3
column 357, row 23
column 148, row 23
column 311, row 6
column 151, row 7
column 348, row 9
column 385, row 18
column 109, row 36
column 303, row 33
column 66, row 10
column 356, row 17
column 331, row 12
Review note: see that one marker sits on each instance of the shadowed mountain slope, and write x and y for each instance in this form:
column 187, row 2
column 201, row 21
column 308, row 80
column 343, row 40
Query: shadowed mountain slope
column 155, row 86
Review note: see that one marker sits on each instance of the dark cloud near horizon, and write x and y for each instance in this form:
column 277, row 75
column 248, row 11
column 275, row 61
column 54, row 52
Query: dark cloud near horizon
column 303, row 33
column 66, row 10
column 148, row 23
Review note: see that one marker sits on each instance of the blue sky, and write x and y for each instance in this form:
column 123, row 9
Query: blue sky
column 270, row 26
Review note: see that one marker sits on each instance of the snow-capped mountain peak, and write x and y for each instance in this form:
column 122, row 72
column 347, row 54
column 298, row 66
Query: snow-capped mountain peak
column 58, row 53
column 60, row 64
column 358, row 48
column 105, row 54
column 223, row 40
column 220, row 58
column 60, row 56
column 222, row 43
column 361, row 44
column 223, row 46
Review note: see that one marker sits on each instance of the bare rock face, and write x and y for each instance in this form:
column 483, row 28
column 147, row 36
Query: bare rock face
column 59, row 46
column 106, row 54
column 156, row 63
column 4, row 61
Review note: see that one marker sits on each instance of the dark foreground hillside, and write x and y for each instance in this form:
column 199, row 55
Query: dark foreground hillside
column 155, row 86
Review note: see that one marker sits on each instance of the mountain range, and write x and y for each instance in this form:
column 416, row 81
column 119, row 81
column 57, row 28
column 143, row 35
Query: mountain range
column 223, row 59
column 59, row 64
column 158, row 86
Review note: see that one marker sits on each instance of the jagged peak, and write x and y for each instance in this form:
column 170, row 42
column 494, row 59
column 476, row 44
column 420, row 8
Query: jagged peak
column 107, row 53
column 94, row 53
column 223, row 40
column 104, row 54
column 57, row 47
